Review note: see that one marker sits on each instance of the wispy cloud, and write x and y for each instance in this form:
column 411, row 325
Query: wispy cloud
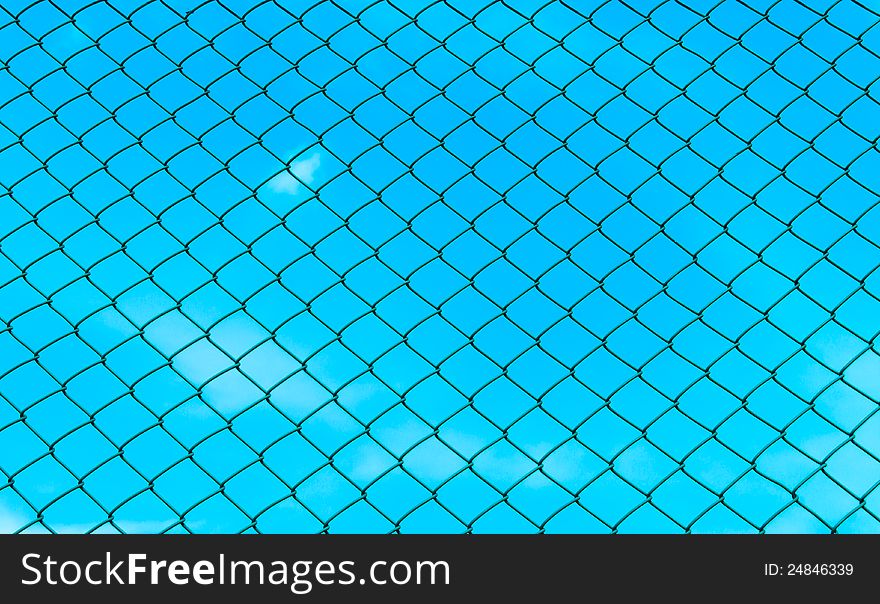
column 10, row 521
column 300, row 172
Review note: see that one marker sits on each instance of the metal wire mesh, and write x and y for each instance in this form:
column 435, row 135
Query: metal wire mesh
column 431, row 266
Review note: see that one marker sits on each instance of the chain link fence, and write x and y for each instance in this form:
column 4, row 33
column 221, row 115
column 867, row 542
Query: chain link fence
column 439, row 266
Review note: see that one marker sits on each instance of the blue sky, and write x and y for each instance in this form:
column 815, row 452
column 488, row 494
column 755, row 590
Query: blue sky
column 439, row 266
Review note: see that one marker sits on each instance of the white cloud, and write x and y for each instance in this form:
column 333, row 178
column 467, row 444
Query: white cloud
column 10, row 521
column 131, row 527
column 301, row 171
